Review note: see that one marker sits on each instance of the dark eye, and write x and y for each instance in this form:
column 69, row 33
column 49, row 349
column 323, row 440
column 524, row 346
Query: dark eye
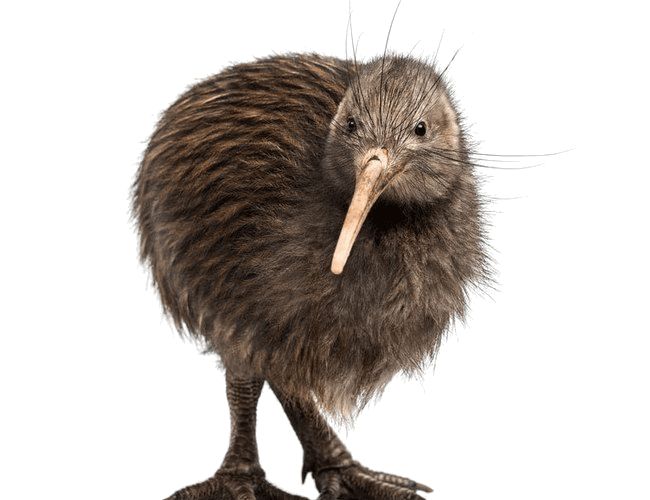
column 420, row 129
column 352, row 125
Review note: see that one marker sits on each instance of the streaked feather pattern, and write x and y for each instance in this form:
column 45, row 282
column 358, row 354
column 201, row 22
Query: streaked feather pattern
column 238, row 219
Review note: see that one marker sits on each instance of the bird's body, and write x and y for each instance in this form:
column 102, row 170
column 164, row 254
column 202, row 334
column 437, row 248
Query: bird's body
column 239, row 207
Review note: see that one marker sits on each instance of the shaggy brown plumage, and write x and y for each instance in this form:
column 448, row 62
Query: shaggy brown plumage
column 240, row 199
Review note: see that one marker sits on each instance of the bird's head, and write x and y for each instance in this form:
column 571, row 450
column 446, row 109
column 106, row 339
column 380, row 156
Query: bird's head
column 395, row 135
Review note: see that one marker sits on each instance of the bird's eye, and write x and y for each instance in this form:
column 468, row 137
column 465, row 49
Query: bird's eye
column 420, row 128
column 352, row 125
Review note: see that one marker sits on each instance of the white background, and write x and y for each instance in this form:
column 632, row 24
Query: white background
column 543, row 394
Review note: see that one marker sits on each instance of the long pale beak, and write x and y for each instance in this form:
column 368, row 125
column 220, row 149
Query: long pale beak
column 369, row 185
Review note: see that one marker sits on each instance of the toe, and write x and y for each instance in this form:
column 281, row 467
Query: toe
column 398, row 481
column 240, row 490
column 366, row 486
column 329, row 485
column 266, row 491
column 205, row 490
column 228, row 486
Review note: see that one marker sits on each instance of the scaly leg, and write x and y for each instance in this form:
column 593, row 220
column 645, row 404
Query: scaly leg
column 240, row 476
column 337, row 475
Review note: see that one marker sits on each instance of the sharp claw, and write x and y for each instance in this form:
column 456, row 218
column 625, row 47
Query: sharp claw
column 365, row 483
column 423, row 487
column 307, row 467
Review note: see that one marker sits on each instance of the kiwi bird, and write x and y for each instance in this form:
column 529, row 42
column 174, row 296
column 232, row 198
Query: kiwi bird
column 316, row 222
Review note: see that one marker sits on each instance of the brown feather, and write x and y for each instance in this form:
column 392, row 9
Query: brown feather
column 239, row 200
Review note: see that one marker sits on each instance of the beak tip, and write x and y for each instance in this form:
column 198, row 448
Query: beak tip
column 337, row 268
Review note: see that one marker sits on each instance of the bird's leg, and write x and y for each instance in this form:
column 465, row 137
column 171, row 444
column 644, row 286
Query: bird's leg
column 240, row 476
column 336, row 474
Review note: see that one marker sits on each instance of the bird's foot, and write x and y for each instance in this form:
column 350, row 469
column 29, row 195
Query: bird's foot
column 234, row 485
column 354, row 481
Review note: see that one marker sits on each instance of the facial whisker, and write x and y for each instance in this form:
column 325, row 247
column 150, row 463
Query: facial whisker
column 423, row 95
column 383, row 61
column 435, row 84
column 358, row 75
column 434, row 63
column 499, row 157
column 479, row 165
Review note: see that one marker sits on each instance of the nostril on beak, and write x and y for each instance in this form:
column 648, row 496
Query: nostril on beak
column 374, row 158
